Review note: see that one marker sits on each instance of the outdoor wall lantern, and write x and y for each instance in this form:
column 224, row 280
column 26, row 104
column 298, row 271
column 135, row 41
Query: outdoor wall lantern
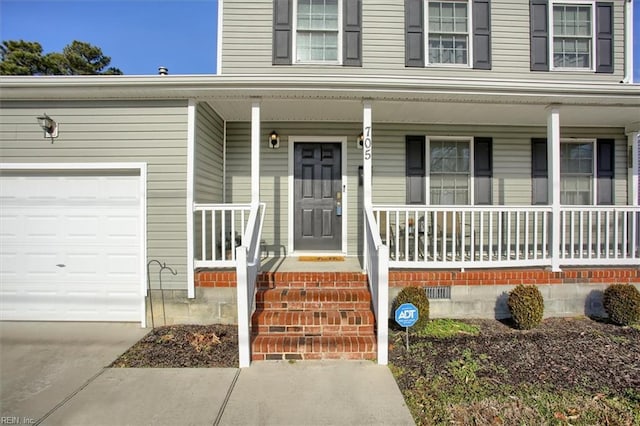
column 360, row 140
column 274, row 140
column 49, row 126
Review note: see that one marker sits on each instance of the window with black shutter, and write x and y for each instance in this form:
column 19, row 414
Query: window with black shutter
column 312, row 26
column 452, row 28
column 562, row 35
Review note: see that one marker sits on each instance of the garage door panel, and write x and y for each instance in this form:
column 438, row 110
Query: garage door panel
column 70, row 248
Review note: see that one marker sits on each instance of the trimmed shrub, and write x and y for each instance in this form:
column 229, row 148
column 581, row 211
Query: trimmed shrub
column 622, row 303
column 418, row 297
column 526, row 306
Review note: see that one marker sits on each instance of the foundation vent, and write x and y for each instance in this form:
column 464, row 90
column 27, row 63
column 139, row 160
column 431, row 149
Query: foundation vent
column 438, row 293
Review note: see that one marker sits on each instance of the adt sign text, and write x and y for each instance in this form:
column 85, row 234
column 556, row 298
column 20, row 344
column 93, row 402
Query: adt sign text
column 407, row 315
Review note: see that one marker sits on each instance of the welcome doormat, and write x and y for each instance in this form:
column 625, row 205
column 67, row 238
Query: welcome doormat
column 321, row 258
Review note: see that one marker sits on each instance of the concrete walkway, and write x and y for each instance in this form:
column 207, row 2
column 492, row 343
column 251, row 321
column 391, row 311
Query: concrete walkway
column 54, row 374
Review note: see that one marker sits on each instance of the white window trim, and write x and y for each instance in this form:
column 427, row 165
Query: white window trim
column 590, row 3
column 594, row 168
column 294, row 41
column 469, row 63
column 427, row 168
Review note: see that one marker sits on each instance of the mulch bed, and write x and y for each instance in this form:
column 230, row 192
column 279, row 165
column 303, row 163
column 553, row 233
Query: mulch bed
column 176, row 346
column 560, row 353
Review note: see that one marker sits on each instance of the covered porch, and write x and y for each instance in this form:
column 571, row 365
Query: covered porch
column 387, row 235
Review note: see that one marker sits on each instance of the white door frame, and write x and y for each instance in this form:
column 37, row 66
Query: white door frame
column 141, row 168
column 342, row 140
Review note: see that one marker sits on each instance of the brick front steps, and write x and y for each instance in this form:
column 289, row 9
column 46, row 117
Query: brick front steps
column 313, row 316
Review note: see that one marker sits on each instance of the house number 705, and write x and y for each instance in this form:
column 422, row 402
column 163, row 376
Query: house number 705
column 367, row 143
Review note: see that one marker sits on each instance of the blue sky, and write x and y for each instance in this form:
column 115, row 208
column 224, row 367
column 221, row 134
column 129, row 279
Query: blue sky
column 138, row 35
column 141, row 35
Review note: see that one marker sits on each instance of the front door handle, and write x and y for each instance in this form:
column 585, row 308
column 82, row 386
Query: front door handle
column 339, row 203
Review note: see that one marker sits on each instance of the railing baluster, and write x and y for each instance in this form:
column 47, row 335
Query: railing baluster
column 481, row 236
column 616, row 234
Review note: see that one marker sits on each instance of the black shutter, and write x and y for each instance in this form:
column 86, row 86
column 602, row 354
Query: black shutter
column 539, row 171
column 605, row 170
column 539, row 32
column 415, row 169
column 414, row 33
column 483, row 170
column 604, row 37
column 282, row 28
column 482, row 34
column 352, row 41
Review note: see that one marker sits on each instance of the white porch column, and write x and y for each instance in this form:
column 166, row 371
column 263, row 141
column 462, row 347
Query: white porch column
column 553, row 167
column 633, row 142
column 367, row 158
column 367, row 155
column 255, row 151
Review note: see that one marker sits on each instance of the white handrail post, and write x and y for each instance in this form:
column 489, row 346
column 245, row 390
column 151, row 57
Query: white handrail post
column 255, row 151
column 244, row 337
column 383, row 305
column 553, row 161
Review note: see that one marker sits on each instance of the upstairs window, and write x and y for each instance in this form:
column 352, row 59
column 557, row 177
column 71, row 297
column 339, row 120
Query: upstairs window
column 572, row 36
column 317, row 31
column 324, row 32
column 448, row 32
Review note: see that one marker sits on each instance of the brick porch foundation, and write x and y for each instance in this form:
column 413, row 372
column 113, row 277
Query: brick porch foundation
column 406, row 278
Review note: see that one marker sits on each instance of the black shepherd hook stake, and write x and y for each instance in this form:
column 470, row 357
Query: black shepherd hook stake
column 162, row 266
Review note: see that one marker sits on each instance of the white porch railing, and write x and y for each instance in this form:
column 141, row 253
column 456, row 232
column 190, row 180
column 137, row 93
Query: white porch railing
column 507, row 236
column 219, row 229
column 377, row 267
column 597, row 235
column 248, row 265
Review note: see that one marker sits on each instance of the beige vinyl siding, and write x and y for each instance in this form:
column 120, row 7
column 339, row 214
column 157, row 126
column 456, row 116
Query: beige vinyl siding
column 512, row 170
column 152, row 132
column 208, row 159
column 246, row 49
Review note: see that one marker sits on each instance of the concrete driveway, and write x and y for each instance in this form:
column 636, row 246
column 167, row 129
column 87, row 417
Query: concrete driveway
column 54, row 374
column 43, row 364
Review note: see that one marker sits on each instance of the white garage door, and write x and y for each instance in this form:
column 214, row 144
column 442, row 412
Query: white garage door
column 70, row 247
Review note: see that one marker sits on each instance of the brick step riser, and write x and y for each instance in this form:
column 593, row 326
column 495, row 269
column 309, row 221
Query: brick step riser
column 303, row 318
column 367, row 356
column 296, row 347
column 311, row 284
column 314, row 306
column 313, row 331
column 309, row 295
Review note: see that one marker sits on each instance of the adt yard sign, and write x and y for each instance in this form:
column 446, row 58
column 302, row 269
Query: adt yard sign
column 406, row 315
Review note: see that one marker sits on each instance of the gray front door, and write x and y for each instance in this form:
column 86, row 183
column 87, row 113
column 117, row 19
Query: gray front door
column 317, row 221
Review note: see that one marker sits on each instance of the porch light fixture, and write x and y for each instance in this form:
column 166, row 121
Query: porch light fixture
column 274, row 140
column 360, row 140
column 49, row 126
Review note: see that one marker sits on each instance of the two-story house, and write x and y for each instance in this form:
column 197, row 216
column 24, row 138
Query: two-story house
column 346, row 149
